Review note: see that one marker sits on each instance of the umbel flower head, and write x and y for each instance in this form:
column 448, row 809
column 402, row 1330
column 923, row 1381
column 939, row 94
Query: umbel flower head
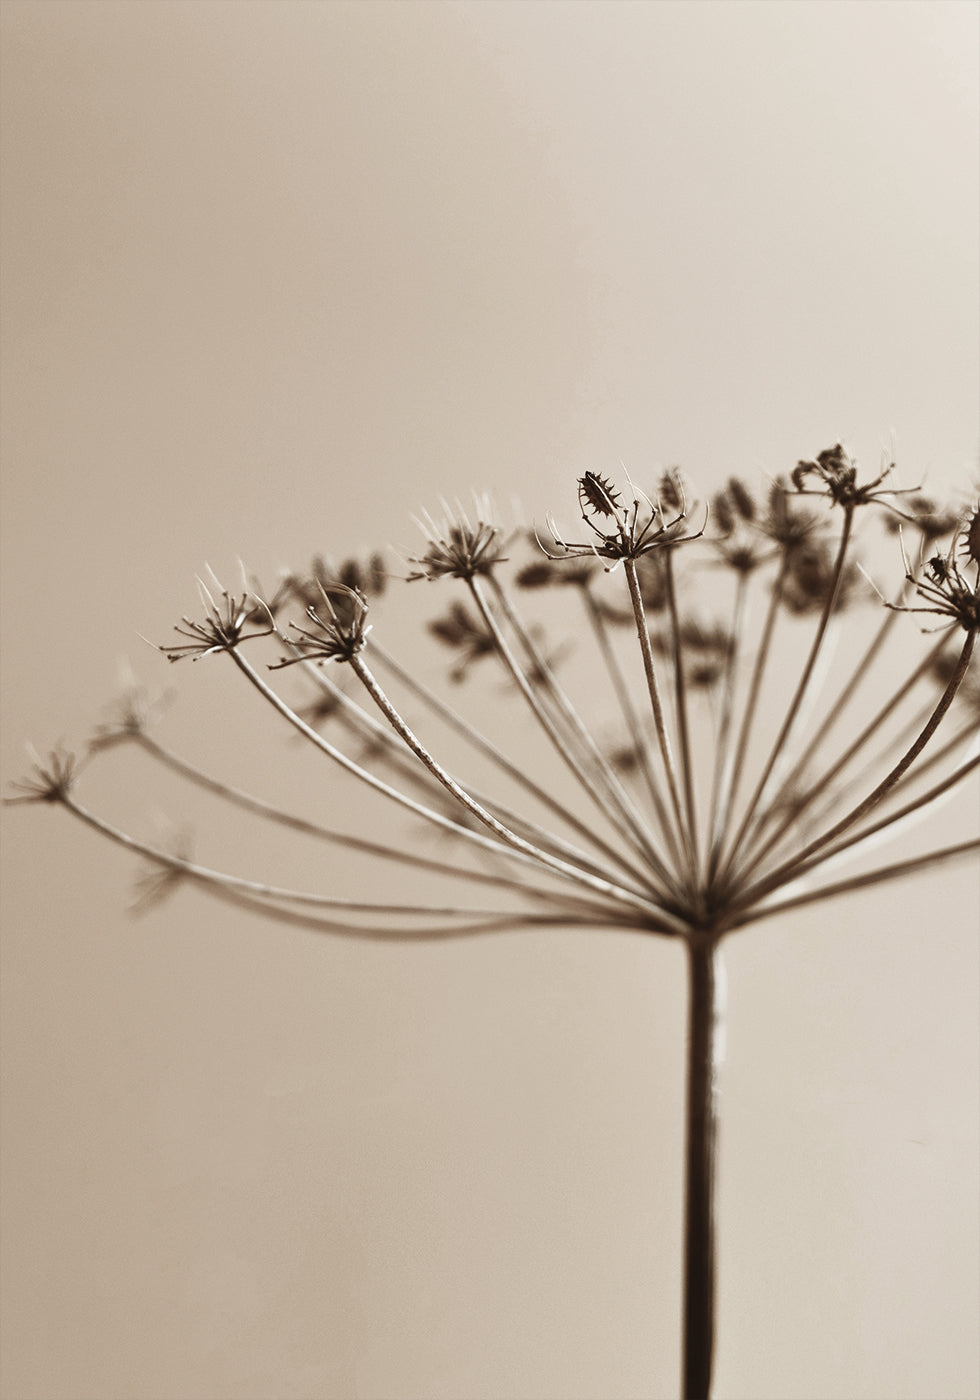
column 684, row 819
column 660, row 779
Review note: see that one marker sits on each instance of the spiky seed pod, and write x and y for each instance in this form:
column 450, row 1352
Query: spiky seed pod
column 598, row 495
column 971, row 536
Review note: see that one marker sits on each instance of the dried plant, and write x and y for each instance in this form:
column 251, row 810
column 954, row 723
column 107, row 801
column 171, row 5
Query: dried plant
column 692, row 818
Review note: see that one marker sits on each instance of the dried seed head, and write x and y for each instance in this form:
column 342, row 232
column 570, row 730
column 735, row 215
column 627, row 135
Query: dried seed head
column 598, row 495
column 342, row 628
column 457, row 548
column 670, row 490
column 466, row 634
column 223, row 627
column 810, row 577
column 723, row 513
column 786, row 523
column 48, row 781
column 741, row 498
column 545, row 573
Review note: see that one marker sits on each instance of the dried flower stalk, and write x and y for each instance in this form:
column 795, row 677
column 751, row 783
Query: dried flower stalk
column 658, row 836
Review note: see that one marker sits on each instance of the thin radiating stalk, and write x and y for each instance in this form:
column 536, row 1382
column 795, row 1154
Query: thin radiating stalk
column 380, row 850
column 814, row 790
column 752, row 817
column 598, row 886
column 637, row 737
column 791, row 868
column 858, row 882
column 515, row 849
column 898, row 743
column 602, row 768
column 653, row 688
column 612, row 812
column 722, row 775
column 736, row 766
column 487, row 747
column 274, row 893
column 836, row 710
column 704, row 1056
column 918, row 804
column 680, row 706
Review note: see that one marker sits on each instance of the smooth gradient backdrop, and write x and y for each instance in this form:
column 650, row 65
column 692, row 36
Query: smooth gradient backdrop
column 275, row 276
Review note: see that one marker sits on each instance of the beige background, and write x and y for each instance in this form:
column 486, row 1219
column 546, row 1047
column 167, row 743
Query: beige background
column 275, row 275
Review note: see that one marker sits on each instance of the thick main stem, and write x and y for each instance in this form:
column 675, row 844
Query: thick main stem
column 704, row 1055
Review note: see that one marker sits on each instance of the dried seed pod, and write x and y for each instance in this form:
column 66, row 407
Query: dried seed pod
column 971, row 536
column 598, row 495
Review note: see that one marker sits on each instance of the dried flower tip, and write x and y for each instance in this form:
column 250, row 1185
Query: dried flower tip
column 637, row 528
column 48, row 781
column 811, row 576
column 160, row 878
column 130, row 715
column 741, row 498
column 321, row 708
column 545, row 573
column 458, row 549
column 460, row 630
column 724, row 515
column 369, row 578
column 837, row 472
column 341, row 631
column 786, row 523
column 931, row 521
column 671, row 492
column 223, row 625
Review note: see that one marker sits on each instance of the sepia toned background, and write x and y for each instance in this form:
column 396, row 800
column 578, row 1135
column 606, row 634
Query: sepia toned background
column 275, row 276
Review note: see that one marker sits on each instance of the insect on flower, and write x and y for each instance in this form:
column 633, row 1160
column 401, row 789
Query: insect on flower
column 945, row 590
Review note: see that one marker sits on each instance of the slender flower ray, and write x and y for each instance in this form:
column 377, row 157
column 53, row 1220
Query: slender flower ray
column 897, row 871
column 785, row 872
column 968, row 735
column 680, row 702
column 820, row 785
column 382, row 850
column 540, row 670
column 260, row 889
column 918, row 804
column 515, row 849
column 380, row 933
column 615, row 892
column 867, row 774
column 752, row 818
column 462, row 726
column 653, row 689
column 557, row 740
column 382, row 734
column 640, row 746
column 836, row 710
column 721, row 780
column 735, row 768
